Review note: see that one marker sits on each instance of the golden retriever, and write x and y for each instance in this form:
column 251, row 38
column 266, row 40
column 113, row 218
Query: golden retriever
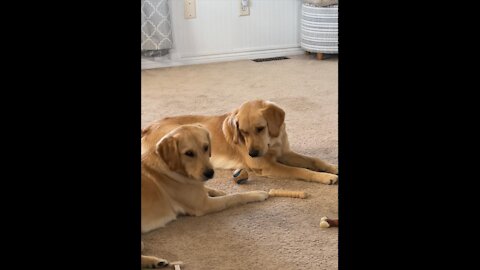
column 173, row 176
column 252, row 137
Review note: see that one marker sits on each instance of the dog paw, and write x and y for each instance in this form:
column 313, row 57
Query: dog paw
column 326, row 178
column 333, row 180
column 259, row 195
column 154, row 263
column 162, row 263
column 332, row 169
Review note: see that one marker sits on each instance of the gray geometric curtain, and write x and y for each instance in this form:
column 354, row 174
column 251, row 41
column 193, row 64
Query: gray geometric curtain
column 156, row 28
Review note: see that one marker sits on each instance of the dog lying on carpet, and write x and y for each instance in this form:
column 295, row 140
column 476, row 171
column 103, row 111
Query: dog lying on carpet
column 173, row 176
column 251, row 137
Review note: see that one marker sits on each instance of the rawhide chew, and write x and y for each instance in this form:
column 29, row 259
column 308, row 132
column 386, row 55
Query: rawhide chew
column 287, row 193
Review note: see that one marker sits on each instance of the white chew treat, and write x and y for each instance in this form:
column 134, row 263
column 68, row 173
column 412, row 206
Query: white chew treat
column 287, row 193
column 324, row 219
column 324, row 224
column 177, row 264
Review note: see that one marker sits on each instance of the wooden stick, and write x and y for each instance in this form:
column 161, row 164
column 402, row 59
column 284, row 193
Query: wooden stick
column 287, row 193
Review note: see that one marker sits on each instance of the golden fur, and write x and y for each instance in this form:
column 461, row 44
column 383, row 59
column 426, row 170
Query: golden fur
column 173, row 175
column 252, row 136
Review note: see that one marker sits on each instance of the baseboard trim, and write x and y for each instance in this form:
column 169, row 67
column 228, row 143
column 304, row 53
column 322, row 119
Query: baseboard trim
column 150, row 64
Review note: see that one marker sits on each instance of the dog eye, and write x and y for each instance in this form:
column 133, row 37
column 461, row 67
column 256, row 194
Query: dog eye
column 190, row 153
column 205, row 148
column 259, row 129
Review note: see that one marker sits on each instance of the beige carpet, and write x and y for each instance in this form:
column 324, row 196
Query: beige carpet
column 280, row 233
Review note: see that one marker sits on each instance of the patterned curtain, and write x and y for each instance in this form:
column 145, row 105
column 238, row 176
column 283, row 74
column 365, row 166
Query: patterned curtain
column 156, row 28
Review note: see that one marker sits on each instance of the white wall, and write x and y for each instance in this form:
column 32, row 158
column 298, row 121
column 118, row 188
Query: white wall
column 219, row 33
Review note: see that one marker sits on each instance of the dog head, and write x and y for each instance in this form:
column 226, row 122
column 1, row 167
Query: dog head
column 186, row 150
column 253, row 125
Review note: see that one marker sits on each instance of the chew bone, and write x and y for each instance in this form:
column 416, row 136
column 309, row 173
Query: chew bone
column 240, row 176
column 326, row 222
column 176, row 264
column 287, row 193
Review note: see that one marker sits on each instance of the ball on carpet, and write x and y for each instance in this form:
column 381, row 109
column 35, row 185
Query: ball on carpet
column 240, row 176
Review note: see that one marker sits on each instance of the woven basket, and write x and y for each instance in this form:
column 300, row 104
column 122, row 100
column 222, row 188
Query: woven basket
column 321, row 3
column 319, row 29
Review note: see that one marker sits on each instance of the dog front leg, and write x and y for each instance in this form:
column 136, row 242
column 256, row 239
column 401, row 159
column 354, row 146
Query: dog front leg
column 311, row 163
column 216, row 204
column 276, row 169
column 153, row 262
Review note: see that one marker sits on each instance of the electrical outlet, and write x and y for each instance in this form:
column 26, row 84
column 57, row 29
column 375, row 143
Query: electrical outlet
column 190, row 9
column 244, row 7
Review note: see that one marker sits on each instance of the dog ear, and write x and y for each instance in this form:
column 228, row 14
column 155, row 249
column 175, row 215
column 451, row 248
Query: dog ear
column 167, row 149
column 230, row 128
column 236, row 131
column 145, row 131
column 209, row 145
column 275, row 118
column 208, row 136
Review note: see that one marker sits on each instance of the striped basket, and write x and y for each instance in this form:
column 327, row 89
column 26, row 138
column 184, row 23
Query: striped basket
column 319, row 29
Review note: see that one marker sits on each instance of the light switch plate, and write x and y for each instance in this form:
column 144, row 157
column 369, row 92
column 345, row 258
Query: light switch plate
column 190, row 9
column 244, row 11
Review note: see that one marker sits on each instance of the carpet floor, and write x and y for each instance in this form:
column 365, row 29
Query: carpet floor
column 279, row 233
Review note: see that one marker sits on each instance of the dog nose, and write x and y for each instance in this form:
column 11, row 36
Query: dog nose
column 208, row 173
column 253, row 153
